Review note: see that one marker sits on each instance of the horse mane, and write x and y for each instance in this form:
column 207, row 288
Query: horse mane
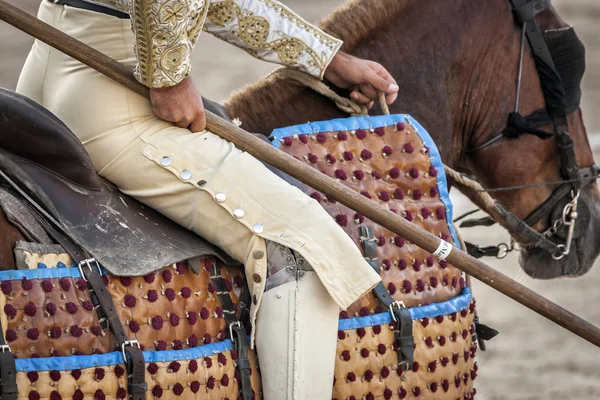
column 352, row 22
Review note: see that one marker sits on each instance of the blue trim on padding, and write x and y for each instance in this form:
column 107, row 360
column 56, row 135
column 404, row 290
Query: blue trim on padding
column 103, row 360
column 442, row 182
column 430, row 311
column 336, row 125
column 68, row 363
column 354, row 123
column 40, row 273
column 188, row 354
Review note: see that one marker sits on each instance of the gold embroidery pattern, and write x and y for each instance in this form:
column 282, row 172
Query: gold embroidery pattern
column 254, row 31
column 166, row 32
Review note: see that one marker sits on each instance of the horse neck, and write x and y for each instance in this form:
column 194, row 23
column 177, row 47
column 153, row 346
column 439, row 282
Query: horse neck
column 427, row 49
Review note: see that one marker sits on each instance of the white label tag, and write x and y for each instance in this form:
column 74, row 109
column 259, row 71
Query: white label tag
column 443, row 250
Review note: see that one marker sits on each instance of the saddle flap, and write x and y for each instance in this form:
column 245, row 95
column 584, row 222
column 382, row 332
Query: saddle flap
column 124, row 236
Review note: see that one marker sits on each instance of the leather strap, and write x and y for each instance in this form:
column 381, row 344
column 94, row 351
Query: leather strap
column 8, row 370
column 240, row 343
column 132, row 354
column 237, row 332
column 483, row 333
column 92, row 7
column 403, row 335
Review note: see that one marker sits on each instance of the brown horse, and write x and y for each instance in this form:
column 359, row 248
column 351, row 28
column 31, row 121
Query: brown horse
column 457, row 64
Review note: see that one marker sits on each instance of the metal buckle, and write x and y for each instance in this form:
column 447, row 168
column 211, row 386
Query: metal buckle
column 237, row 324
column 88, row 262
column 129, row 343
column 4, row 348
column 569, row 218
column 398, row 304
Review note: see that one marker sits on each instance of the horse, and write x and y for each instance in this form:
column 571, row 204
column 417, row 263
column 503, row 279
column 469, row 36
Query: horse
column 462, row 90
column 461, row 80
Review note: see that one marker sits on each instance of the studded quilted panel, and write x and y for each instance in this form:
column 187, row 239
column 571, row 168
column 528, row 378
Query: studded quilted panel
column 444, row 367
column 51, row 317
column 392, row 166
column 170, row 309
column 174, row 308
column 100, row 383
column 210, row 377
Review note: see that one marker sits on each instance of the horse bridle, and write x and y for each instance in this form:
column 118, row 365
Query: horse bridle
column 563, row 207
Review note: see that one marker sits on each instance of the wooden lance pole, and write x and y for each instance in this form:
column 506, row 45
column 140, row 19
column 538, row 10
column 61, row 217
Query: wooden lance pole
column 312, row 177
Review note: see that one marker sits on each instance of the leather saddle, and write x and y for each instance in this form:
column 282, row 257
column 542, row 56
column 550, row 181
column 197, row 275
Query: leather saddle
column 42, row 160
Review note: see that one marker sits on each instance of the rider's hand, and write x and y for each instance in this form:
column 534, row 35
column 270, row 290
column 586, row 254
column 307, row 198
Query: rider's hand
column 366, row 78
column 180, row 104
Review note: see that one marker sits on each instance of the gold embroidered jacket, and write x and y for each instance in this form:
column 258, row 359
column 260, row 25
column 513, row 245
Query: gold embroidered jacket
column 166, row 32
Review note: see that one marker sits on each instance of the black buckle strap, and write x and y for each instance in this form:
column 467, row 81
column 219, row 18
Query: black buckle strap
column 240, row 342
column 237, row 333
column 8, row 370
column 403, row 336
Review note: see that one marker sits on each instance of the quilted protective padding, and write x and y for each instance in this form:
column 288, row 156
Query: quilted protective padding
column 444, row 368
column 170, row 309
column 51, row 317
column 390, row 165
column 210, row 377
column 174, row 308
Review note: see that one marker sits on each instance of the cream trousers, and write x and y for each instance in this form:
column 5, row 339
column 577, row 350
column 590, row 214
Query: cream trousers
column 207, row 185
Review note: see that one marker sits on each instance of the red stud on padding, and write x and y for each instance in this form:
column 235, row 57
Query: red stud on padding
column 303, row 138
column 341, row 174
column 27, row 285
column 312, row 158
column 368, row 375
column 346, row 355
column 121, row 394
column 361, row 134
column 287, row 141
column 351, row 377
column 157, row 391
column 10, row 311
column 56, row 332
column 47, row 285
column 425, row 322
column 33, row 334
column 394, row 173
column 342, row 136
column 366, row 154
column 377, row 329
column 348, row 156
column 76, row 331
column 406, row 286
column 30, row 309
column 402, row 393
column 321, row 137
column 330, row 159
column 119, row 371
column 416, row 391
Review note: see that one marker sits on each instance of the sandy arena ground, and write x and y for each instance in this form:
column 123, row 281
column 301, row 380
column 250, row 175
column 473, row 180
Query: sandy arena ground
column 532, row 358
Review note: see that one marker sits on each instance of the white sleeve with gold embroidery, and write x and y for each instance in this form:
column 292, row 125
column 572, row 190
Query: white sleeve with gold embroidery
column 270, row 31
column 166, row 32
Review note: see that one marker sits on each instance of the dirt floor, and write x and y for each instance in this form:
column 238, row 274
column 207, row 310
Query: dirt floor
column 532, row 358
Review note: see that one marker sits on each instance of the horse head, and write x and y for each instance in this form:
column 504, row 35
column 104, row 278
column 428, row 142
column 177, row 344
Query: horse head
column 523, row 162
